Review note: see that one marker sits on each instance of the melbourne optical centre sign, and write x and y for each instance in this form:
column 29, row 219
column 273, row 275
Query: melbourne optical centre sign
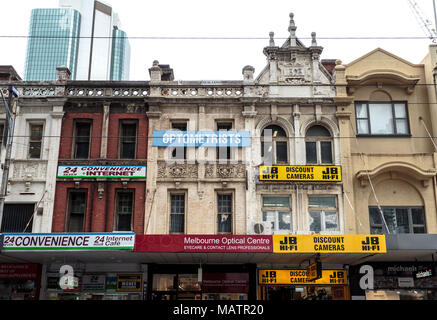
column 201, row 138
column 68, row 241
column 101, row 171
column 203, row 243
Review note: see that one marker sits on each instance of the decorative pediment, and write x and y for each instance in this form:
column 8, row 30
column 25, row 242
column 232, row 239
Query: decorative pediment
column 396, row 169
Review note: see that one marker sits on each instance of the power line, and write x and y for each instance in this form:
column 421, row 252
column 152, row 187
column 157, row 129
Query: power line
column 216, row 38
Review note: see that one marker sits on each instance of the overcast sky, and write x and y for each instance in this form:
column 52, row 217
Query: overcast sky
column 224, row 59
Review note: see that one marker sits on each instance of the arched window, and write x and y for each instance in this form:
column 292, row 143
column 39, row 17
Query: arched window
column 274, row 145
column 318, row 145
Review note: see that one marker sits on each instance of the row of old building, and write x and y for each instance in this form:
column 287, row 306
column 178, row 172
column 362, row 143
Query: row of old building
column 333, row 149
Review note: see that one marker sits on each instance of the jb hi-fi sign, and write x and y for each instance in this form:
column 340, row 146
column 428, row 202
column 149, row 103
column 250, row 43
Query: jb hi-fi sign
column 297, row 277
column 329, row 244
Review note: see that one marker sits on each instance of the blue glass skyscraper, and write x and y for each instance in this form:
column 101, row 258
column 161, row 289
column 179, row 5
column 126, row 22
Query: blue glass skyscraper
column 53, row 42
column 120, row 59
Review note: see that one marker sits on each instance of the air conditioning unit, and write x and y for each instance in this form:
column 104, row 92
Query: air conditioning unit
column 261, row 228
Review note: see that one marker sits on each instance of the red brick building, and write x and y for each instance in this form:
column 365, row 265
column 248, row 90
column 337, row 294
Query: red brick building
column 101, row 181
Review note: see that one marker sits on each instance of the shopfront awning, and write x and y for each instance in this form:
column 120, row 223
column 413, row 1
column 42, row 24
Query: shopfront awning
column 158, row 249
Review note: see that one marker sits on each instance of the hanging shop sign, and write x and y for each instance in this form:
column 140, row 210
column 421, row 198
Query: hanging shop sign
column 314, row 271
column 300, row 173
column 129, row 282
column 68, row 241
column 329, row 244
column 299, row 277
column 201, row 138
column 203, row 243
column 101, row 171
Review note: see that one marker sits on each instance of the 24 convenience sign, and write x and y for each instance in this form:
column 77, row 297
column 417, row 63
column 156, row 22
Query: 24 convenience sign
column 101, row 171
column 300, row 173
column 329, row 244
column 68, row 241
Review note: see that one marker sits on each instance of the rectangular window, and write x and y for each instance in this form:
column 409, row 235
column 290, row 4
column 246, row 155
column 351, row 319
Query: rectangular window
column 77, row 208
column 179, row 153
column 311, row 152
column 16, row 217
column 35, row 140
column 398, row 220
column 177, row 213
column 382, row 118
column 224, row 213
column 224, row 153
column 277, row 211
column 125, row 203
column 82, row 136
column 323, row 214
column 128, row 139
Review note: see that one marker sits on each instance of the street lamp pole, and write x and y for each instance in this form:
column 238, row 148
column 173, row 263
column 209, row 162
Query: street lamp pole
column 8, row 134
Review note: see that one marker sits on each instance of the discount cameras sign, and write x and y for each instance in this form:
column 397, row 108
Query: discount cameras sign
column 329, row 244
column 300, row 173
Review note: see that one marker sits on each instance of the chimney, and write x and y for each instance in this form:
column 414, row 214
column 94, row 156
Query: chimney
column 155, row 72
column 161, row 72
column 63, row 74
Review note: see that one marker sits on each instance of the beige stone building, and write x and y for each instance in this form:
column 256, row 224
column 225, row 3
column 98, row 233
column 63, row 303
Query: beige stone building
column 387, row 113
column 198, row 190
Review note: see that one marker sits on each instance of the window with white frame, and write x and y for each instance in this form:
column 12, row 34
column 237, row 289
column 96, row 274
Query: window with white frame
column 35, row 140
column 318, row 145
column 382, row 118
column 177, row 212
column 124, row 210
column 224, row 212
column 76, row 211
column 224, row 152
column 277, row 211
column 179, row 153
column 323, row 214
column 274, row 145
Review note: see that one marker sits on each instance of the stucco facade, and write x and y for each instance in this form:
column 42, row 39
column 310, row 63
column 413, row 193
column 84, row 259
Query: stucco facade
column 294, row 92
column 387, row 167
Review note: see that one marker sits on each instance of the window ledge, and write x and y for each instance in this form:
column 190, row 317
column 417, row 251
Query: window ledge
column 383, row 135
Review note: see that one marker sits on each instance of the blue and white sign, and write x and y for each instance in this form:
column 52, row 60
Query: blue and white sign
column 201, row 138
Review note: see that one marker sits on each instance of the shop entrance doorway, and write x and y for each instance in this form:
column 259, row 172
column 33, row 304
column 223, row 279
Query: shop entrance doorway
column 287, row 293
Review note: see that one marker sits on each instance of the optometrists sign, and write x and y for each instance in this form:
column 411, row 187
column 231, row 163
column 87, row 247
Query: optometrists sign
column 300, row 173
column 329, row 244
column 201, row 138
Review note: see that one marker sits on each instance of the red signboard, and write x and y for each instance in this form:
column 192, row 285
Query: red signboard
column 18, row 271
column 203, row 243
column 225, row 283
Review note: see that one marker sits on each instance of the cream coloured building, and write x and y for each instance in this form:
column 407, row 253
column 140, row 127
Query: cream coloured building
column 386, row 109
column 292, row 100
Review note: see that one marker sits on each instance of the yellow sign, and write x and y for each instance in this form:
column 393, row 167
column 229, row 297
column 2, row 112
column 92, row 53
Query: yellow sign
column 346, row 243
column 314, row 271
column 298, row 277
column 300, row 173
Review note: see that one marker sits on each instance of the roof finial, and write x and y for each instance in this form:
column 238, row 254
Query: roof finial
column 272, row 41
column 292, row 28
column 314, row 41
